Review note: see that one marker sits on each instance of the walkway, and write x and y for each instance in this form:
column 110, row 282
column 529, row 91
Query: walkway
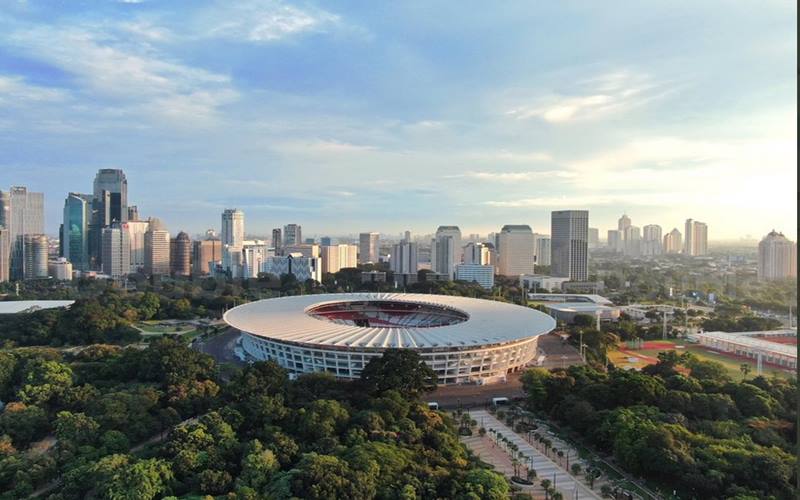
column 545, row 468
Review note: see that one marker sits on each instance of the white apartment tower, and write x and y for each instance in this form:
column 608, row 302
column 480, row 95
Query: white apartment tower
column 652, row 240
column 404, row 258
column 516, row 250
column 569, row 230
column 777, row 257
column 673, row 241
column 695, row 238
column 156, row 248
column 446, row 250
column 232, row 231
column 116, row 251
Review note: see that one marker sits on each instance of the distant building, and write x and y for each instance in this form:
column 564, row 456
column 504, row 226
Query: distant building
column 695, row 241
column 325, row 241
column 368, row 248
column 156, row 248
column 516, row 250
column 446, row 250
column 113, row 182
column 254, row 255
column 232, row 229
column 623, row 223
column 277, row 243
column 373, row 277
column 542, row 249
column 651, row 240
column 75, row 230
column 136, row 230
column 594, row 237
column 539, row 283
column 116, row 251
column 673, row 242
column 302, row 268
column 777, row 257
column 292, row 234
column 133, row 213
column 5, row 257
column 633, row 241
column 305, row 249
column 21, row 213
column 483, row 275
column 206, row 254
column 181, row 255
column 35, row 254
column 615, row 240
column 477, row 253
column 337, row 257
column 569, row 244
column 60, row 269
column 404, row 258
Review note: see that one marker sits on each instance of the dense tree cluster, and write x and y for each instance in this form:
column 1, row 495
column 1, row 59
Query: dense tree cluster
column 258, row 435
column 701, row 434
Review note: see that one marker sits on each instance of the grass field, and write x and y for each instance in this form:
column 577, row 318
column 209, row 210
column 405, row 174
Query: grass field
column 649, row 355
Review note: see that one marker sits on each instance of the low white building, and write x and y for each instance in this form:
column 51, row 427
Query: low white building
column 536, row 282
column 754, row 345
column 60, row 269
column 303, row 268
column 483, row 275
column 566, row 311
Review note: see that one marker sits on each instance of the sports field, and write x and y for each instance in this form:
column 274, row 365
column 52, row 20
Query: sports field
column 624, row 357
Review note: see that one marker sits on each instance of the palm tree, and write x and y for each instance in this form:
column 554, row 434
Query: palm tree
column 745, row 369
column 561, row 455
column 531, row 474
column 556, row 496
column 515, row 464
column 576, row 469
column 545, row 484
column 482, row 431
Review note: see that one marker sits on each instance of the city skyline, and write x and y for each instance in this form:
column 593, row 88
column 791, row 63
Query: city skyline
column 693, row 117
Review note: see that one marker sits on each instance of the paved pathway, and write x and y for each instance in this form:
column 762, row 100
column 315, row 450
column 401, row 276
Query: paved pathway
column 545, row 468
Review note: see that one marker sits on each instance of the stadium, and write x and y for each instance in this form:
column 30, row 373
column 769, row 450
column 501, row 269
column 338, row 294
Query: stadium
column 464, row 340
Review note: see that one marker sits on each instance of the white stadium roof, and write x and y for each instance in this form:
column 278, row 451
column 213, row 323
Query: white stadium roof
column 489, row 322
column 21, row 306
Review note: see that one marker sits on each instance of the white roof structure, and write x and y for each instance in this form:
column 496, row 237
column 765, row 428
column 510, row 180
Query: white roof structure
column 481, row 322
column 23, row 306
column 754, row 340
column 570, row 297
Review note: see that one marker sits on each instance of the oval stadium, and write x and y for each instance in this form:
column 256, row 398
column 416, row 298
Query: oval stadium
column 464, row 340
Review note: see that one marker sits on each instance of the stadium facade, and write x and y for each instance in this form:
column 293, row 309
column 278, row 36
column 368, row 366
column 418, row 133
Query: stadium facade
column 464, row 340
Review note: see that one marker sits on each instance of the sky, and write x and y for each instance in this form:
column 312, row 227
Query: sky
column 385, row 116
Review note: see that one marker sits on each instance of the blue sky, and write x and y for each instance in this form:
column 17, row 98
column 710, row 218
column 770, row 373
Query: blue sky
column 361, row 116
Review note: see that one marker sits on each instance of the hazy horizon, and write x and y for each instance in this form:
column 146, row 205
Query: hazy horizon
column 345, row 117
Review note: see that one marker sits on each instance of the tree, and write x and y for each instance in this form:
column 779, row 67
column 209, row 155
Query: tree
column 43, row 380
column 76, row 428
column 576, row 469
column 606, row 491
column 745, row 369
column 120, row 477
column 402, row 370
column 486, row 484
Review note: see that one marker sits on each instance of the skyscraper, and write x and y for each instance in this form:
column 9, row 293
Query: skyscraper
column 156, row 248
column 368, row 248
column 21, row 213
column 446, row 250
column 651, row 240
column 116, row 251
column 569, row 231
column 204, row 254
column 404, row 258
column 777, row 257
column 292, row 234
column 615, row 241
column 136, row 230
column 594, row 237
column 623, row 223
column 35, row 256
column 75, row 230
column 673, row 241
column 516, row 250
column 181, row 255
column 541, row 248
column 113, row 182
column 276, row 239
column 632, row 236
column 5, row 257
column 476, row 253
column 695, row 238
column 232, row 231
column 337, row 257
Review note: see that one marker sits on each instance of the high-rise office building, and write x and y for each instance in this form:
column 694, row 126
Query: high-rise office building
column 777, row 257
column 21, row 213
column 673, row 241
column 276, row 240
column 541, row 249
column 446, row 250
column 695, row 242
column 476, row 273
column 181, row 255
column 254, row 255
column 156, row 248
column 337, row 257
column 136, row 230
column 569, row 231
column 516, row 250
column 594, row 237
column 5, row 255
column 632, row 236
column 113, row 182
column 232, row 231
column 116, row 251
column 368, row 248
column 477, row 253
column 74, row 242
column 652, row 240
column 292, row 234
column 35, row 256
column 205, row 255
column 404, row 258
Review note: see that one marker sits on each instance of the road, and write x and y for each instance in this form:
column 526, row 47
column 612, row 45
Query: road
column 220, row 347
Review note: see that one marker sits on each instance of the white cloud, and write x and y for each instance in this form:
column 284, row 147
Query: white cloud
column 512, row 176
column 323, row 147
column 592, row 98
column 14, row 90
column 262, row 20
